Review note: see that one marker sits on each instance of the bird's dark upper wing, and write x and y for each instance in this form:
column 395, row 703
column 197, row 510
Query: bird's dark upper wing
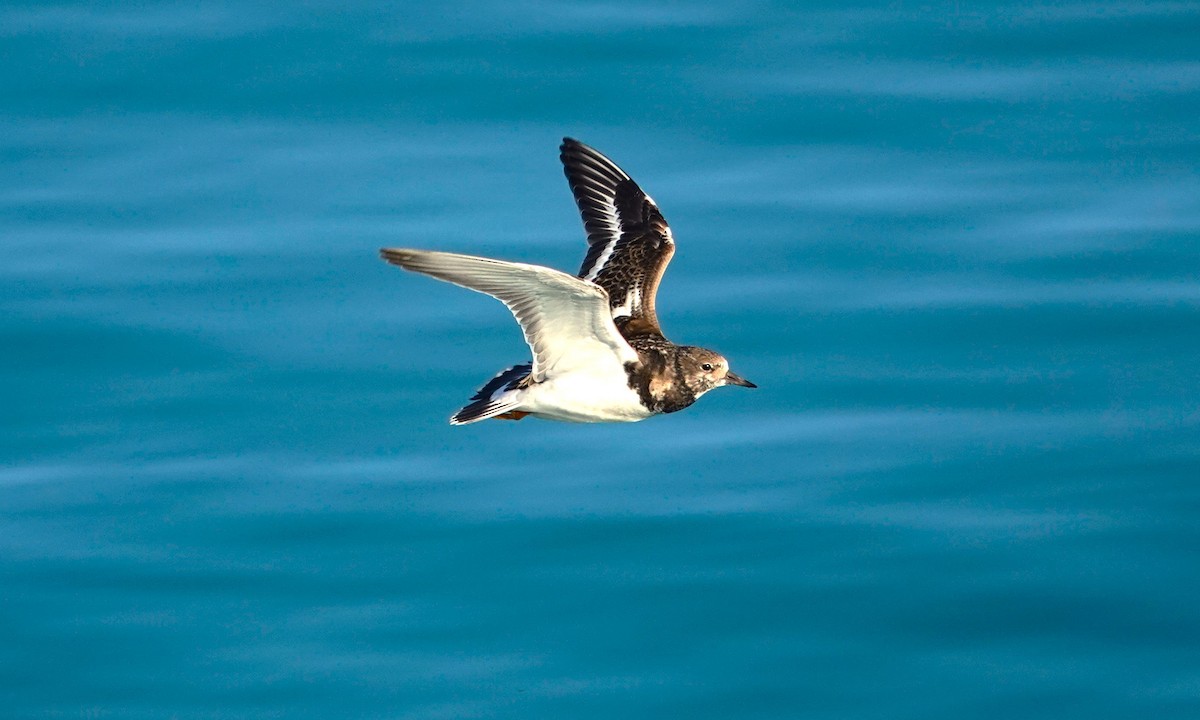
column 629, row 242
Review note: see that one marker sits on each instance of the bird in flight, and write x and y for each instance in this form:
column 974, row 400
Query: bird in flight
column 599, row 354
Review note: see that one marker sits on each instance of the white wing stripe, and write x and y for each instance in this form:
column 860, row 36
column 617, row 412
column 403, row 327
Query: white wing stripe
column 601, row 261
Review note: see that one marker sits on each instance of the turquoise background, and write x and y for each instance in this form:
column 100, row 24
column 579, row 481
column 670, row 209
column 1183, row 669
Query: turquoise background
column 957, row 245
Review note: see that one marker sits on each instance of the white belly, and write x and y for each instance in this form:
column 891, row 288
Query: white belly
column 597, row 396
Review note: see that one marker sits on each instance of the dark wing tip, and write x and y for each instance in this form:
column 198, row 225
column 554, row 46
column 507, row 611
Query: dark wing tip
column 396, row 256
column 573, row 151
column 569, row 146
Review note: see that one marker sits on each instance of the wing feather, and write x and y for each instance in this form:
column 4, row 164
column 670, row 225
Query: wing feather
column 565, row 320
column 629, row 241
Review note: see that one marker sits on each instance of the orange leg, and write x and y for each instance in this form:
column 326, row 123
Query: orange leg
column 511, row 415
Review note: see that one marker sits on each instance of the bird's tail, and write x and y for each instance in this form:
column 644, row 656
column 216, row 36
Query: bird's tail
column 500, row 395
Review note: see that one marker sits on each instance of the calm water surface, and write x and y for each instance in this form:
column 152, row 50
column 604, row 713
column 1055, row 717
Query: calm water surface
column 958, row 248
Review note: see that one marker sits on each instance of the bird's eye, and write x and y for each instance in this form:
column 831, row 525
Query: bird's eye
column 706, row 367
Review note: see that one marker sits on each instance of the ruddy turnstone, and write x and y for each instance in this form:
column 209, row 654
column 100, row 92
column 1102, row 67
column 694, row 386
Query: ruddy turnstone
column 598, row 352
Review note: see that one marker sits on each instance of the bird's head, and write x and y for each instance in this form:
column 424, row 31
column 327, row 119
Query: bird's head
column 704, row 370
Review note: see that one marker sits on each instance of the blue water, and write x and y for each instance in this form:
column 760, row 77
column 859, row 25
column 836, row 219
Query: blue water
column 956, row 245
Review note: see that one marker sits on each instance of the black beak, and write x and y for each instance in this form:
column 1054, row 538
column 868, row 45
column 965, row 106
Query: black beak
column 734, row 379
